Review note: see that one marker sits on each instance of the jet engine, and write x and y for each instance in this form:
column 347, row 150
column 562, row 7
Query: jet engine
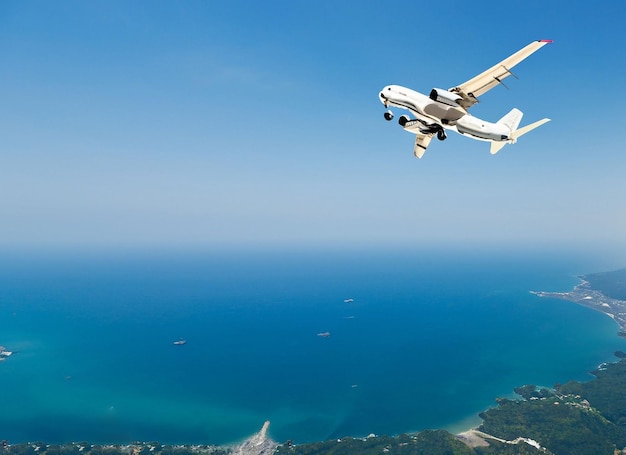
column 403, row 119
column 388, row 116
column 445, row 97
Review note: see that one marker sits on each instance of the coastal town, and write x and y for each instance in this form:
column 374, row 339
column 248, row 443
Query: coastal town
column 584, row 295
column 258, row 444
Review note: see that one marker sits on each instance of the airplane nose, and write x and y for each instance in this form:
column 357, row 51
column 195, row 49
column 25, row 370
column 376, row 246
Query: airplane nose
column 382, row 98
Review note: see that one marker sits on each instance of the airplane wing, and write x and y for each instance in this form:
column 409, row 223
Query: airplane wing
column 421, row 143
column 472, row 89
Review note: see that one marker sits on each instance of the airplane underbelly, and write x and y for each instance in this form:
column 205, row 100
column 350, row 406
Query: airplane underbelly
column 443, row 112
column 473, row 126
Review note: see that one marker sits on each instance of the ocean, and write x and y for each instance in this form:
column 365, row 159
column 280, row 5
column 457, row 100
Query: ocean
column 416, row 340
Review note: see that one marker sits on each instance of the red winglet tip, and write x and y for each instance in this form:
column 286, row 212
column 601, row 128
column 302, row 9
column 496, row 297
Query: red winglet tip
column 545, row 41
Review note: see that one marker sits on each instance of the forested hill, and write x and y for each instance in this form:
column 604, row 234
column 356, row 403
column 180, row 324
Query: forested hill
column 611, row 284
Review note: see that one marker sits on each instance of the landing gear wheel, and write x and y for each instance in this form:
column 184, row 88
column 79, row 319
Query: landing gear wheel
column 388, row 116
column 441, row 135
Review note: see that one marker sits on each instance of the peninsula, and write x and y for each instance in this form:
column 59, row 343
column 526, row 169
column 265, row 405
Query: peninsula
column 604, row 292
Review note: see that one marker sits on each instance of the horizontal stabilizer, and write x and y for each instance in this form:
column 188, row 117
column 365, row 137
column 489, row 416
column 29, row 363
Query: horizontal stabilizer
column 528, row 128
column 496, row 146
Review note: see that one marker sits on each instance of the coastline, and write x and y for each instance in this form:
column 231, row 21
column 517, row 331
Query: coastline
column 473, row 422
column 583, row 294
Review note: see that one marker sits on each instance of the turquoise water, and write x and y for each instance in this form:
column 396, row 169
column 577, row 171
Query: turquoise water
column 429, row 341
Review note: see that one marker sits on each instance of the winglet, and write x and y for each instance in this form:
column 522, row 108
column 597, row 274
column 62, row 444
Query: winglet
column 546, row 41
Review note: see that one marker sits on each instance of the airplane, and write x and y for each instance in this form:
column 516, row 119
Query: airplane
column 447, row 109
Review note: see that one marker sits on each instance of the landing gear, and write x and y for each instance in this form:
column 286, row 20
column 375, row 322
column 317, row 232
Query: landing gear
column 388, row 116
column 441, row 134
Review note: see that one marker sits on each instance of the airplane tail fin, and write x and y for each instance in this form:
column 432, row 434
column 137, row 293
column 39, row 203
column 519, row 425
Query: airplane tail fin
column 512, row 121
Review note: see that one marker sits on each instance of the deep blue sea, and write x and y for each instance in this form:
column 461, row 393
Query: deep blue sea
column 429, row 340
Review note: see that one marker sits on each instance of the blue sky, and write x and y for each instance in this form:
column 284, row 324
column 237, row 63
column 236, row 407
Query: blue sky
column 241, row 123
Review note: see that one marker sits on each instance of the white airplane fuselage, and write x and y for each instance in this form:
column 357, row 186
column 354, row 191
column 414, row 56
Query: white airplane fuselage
column 433, row 114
